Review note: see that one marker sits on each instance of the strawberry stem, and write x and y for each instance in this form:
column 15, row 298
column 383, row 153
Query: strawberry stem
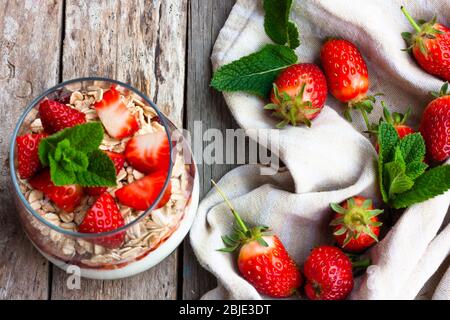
column 366, row 118
column 363, row 263
column 239, row 221
column 411, row 20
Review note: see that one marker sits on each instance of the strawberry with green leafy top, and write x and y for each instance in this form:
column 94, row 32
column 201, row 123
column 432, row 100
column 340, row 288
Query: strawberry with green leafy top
column 298, row 94
column 348, row 76
column 430, row 45
column 263, row 261
column 355, row 224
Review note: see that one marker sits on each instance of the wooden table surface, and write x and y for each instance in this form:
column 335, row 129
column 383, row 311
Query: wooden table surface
column 161, row 47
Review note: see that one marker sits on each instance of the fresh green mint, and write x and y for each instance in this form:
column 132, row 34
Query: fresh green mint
column 403, row 176
column 277, row 24
column 254, row 73
column 74, row 158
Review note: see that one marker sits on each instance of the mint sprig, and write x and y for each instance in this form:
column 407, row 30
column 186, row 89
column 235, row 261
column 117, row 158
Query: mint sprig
column 74, row 158
column 277, row 24
column 402, row 173
column 256, row 72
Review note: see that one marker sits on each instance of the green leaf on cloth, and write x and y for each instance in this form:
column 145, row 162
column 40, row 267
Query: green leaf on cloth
column 256, row 72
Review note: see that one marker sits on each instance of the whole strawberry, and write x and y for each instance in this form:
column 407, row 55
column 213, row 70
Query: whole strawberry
column 355, row 224
column 56, row 116
column 435, row 126
column 298, row 94
column 328, row 273
column 347, row 75
column 263, row 261
column 104, row 216
column 27, row 154
column 397, row 120
column 430, row 45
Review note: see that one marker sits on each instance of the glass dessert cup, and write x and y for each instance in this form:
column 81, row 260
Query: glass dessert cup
column 149, row 235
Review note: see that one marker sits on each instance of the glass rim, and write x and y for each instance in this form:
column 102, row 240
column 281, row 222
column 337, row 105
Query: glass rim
column 12, row 152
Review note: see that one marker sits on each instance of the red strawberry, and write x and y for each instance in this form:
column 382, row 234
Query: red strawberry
column 355, row 224
column 141, row 194
column 66, row 198
column 430, row 46
column 347, row 75
column 328, row 273
column 149, row 152
column 104, row 216
column 27, row 154
column 397, row 120
column 115, row 116
column 118, row 159
column 435, row 126
column 299, row 94
column 263, row 261
column 56, row 116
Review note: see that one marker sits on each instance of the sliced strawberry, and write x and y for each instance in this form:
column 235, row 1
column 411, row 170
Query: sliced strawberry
column 141, row 194
column 115, row 116
column 66, row 198
column 118, row 159
column 56, row 116
column 149, row 152
column 27, row 154
column 104, row 216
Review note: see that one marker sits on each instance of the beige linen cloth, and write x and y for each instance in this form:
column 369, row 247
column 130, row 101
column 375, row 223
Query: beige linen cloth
column 332, row 160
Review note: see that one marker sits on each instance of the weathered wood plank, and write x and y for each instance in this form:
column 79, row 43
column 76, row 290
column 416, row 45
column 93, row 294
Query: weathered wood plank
column 141, row 43
column 29, row 58
column 204, row 104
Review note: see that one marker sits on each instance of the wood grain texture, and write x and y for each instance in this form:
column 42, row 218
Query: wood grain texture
column 29, row 61
column 141, row 43
column 206, row 18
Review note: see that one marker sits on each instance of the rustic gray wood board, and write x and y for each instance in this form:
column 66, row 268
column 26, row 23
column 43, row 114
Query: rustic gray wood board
column 206, row 18
column 141, row 43
column 29, row 61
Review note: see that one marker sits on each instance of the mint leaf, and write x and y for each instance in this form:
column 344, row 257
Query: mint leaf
column 415, row 169
column 59, row 175
column 100, row 172
column 69, row 158
column 413, row 147
column 74, row 157
column 256, row 72
column 387, row 141
column 277, row 24
column 84, row 137
column 396, row 178
column 293, row 36
column 432, row 183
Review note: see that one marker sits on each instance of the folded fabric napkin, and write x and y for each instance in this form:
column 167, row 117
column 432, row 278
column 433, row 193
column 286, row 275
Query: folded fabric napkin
column 332, row 160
